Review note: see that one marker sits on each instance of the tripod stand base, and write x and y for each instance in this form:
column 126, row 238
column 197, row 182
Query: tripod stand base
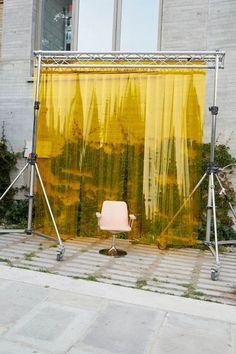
column 29, row 231
column 60, row 249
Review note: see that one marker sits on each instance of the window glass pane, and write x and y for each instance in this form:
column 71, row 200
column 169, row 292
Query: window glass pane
column 95, row 25
column 139, row 25
column 56, row 24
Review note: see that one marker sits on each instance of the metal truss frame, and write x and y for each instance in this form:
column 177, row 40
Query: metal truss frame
column 155, row 60
column 143, row 61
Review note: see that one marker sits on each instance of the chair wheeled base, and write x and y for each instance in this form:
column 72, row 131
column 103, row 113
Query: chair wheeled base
column 113, row 251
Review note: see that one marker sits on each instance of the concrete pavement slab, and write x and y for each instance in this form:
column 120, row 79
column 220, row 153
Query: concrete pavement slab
column 72, row 316
column 120, row 327
column 17, row 299
column 193, row 335
column 11, row 347
column 52, row 327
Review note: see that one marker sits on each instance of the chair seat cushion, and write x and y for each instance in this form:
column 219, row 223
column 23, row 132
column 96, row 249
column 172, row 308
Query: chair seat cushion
column 115, row 229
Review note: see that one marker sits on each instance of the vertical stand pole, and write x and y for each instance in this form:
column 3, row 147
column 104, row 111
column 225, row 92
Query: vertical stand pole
column 212, row 153
column 113, row 241
column 34, row 170
column 32, row 157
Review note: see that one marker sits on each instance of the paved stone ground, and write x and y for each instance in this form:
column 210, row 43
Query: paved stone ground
column 181, row 272
column 53, row 314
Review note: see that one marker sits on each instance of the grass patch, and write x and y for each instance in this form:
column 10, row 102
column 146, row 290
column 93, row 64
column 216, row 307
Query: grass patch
column 5, row 260
column 188, row 286
column 43, row 270
column 233, row 289
column 185, row 295
column 105, row 277
column 222, row 249
column 29, row 256
column 191, row 291
column 91, row 278
column 198, row 293
column 140, row 283
column 53, row 246
column 23, row 267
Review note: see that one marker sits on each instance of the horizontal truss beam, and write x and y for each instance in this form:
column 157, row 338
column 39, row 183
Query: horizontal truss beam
column 155, row 60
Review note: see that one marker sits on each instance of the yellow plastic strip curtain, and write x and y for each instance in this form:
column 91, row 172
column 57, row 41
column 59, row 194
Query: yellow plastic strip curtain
column 132, row 135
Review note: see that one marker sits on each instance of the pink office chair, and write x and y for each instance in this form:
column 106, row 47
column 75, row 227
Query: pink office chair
column 114, row 218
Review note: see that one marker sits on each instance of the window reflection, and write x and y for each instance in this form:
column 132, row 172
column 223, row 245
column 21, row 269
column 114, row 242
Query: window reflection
column 56, row 27
column 95, row 25
column 139, row 25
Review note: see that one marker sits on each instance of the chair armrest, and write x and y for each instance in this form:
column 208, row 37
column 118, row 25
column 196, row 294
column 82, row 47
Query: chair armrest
column 98, row 215
column 132, row 217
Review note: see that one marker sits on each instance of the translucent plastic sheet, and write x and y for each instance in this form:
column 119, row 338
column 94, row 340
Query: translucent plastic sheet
column 121, row 135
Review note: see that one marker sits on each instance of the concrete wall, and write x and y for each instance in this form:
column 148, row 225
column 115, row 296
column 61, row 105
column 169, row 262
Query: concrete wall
column 207, row 25
column 16, row 93
column 1, row 17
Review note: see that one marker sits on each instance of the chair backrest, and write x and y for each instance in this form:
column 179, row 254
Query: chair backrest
column 114, row 214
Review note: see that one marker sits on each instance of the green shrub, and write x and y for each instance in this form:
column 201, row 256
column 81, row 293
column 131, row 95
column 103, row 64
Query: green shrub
column 7, row 163
column 224, row 221
column 11, row 211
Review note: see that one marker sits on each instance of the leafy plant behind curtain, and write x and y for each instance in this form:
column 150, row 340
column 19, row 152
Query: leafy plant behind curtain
column 110, row 135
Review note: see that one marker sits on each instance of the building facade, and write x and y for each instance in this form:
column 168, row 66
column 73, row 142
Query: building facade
column 105, row 25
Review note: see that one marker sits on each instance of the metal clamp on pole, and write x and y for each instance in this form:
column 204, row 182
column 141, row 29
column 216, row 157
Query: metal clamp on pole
column 212, row 167
column 32, row 158
column 36, row 105
column 214, row 110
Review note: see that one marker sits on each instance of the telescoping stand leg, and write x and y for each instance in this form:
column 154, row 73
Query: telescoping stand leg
column 215, row 270
column 34, row 171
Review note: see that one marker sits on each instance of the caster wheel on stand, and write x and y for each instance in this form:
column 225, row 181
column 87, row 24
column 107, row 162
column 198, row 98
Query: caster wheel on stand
column 215, row 274
column 60, row 253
